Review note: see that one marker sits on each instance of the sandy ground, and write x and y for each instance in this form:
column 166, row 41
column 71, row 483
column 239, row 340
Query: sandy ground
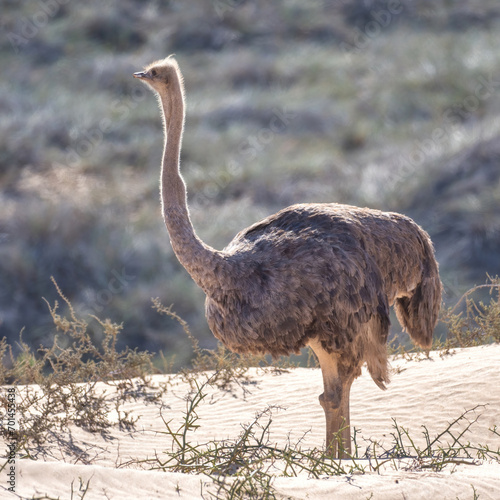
column 430, row 392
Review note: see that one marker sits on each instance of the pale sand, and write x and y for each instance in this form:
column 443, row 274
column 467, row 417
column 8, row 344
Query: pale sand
column 431, row 392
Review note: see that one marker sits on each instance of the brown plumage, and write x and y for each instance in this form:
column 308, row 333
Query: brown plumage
column 322, row 275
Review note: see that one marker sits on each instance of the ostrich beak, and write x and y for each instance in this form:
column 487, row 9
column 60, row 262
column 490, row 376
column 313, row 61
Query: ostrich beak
column 141, row 75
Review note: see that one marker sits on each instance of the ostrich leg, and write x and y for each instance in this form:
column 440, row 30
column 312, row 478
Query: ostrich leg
column 335, row 401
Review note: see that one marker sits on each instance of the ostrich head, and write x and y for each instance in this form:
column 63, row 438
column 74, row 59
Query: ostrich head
column 161, row 76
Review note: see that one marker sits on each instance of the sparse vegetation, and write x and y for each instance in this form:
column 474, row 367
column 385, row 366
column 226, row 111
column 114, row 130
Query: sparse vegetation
column 479, row 322
column 62, row 386
column 58, row 386
column 246, row 466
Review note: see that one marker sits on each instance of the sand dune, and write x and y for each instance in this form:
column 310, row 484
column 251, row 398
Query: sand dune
column 431, row 392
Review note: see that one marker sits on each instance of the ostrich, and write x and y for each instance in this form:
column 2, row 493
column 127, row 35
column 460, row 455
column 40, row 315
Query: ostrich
column 317, row 275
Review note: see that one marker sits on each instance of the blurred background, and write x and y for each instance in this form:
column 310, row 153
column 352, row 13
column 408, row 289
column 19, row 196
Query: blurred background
column 390, row 104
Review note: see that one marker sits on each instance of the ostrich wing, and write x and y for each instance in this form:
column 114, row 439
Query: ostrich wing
column 299, row 274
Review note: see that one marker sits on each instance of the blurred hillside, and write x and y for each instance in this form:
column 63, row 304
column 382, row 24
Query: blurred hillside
column 388, row 104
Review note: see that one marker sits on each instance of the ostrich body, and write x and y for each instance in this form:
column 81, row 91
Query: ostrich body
column 322, row 275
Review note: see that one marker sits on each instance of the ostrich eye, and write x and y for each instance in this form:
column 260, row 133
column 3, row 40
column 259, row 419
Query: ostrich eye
column 153, row 72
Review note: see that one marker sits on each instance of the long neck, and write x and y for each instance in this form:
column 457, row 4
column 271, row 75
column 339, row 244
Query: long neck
column 197, row 258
